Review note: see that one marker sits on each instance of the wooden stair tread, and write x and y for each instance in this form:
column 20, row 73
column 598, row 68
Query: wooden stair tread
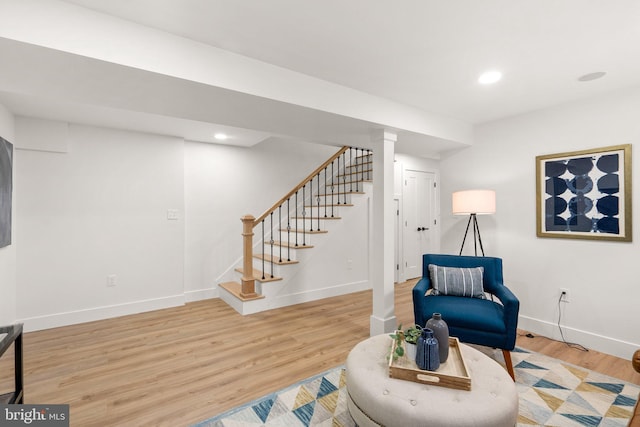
column 315, row 217
column 304, row 231
column 341, row 193
column 347, row 181
column 257, row 275
column 356, row 164
column 274, row 259
column 235, row 289
column 328, row 206
column 359, row 165
column 292, row 245
column 357, row 174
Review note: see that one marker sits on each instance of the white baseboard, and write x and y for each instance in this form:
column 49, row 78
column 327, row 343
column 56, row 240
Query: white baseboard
column 271, row 302
column 378, row 325
column 99, row 313
column 601, row 343
column 317, row 294
column 201, row 294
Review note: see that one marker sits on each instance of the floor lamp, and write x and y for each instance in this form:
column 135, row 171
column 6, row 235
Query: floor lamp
column 472, row 203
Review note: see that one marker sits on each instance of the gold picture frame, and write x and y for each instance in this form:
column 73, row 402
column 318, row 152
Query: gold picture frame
column 585, row 194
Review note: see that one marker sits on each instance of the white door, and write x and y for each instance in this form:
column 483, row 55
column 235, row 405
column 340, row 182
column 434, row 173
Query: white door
column 419, row 220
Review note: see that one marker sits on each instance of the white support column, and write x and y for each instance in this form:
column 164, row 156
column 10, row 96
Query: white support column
column 381, row 253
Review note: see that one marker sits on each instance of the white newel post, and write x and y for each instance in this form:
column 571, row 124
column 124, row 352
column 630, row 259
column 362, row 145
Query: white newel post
column 381, row 266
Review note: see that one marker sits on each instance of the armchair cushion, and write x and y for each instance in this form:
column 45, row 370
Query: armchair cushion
column 472, row 314
column 457, row 281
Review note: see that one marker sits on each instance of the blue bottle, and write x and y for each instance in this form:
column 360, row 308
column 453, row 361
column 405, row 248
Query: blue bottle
column 440, row 333
column 427, row 357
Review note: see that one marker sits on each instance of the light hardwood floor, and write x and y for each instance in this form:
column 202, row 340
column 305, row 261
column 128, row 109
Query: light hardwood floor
column 178, row 366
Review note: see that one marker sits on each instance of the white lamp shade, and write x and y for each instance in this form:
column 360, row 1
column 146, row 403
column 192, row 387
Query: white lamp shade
column 481, row 202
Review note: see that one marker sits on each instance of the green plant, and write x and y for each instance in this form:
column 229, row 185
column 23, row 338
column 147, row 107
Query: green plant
column 398, row 336
column 412, row 333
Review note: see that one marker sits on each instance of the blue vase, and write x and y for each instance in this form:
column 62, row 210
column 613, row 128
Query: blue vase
column 441, row 333
column 427, row 357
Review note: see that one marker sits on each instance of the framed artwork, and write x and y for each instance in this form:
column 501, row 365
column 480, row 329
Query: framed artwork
column 6, row 190
column 585, row 194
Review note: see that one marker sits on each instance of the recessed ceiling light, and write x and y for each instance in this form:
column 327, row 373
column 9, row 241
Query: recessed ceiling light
column 220, row 136
column 591, row 76
column 489, row 77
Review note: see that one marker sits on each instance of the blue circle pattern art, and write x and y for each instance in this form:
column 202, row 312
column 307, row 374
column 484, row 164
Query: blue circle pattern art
column 582, row 194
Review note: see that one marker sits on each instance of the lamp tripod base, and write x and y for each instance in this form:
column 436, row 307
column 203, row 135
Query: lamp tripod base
column 477, row 239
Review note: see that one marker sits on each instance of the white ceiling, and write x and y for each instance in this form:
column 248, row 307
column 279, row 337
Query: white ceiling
column 424, row 53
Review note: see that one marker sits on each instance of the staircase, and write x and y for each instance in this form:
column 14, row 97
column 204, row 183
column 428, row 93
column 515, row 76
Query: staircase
column 282, row 239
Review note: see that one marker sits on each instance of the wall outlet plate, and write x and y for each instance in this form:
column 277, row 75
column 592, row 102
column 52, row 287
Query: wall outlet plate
column 564, row 295
column 172, row 214
column 112, row 280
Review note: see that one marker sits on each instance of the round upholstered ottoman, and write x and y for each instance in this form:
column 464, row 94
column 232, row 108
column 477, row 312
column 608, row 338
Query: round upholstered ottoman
column 375, row 399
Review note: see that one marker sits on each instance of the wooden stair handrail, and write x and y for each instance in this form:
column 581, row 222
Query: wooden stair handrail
column 299, row 186
column 248, row 290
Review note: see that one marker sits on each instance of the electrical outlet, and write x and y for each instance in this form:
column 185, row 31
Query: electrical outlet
column 172, row 214
column 564, row 294
column 112, row 280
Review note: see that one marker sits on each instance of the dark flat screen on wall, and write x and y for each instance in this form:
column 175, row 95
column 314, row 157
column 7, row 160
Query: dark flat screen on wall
column 6, row 190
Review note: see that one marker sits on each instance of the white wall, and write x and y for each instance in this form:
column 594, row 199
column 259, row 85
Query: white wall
column 93, row 203
column 601, row 275
column 98, row 209
column 224, row 183
column 8, row 253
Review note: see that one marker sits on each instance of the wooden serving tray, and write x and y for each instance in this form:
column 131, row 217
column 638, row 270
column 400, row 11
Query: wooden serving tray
column 452, row 374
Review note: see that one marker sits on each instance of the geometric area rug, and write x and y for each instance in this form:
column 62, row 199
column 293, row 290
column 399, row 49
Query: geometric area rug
column 551, row 393
column 555, row 393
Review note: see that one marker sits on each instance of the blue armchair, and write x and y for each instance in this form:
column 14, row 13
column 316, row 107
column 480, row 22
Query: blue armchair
column 473, row 320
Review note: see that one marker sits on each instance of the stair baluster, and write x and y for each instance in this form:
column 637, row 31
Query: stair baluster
column 280, row 231
column 288, row 231
column 311, row 204
column 325, row 192
column 355, row 165
column 332, row 186
column 304, row 216
column 338, row 179
column 263, row 277
column 317, row 200
column 345, row 170
column 354, row 175
column 344, row 178
column 271, row 243
column 296, row 217
column 360, row 166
